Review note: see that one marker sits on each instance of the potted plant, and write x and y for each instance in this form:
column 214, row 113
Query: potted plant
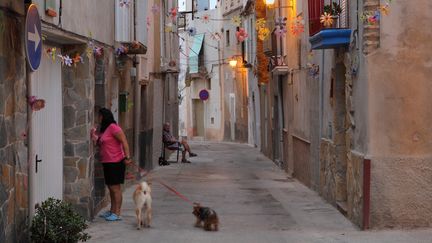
column 56, row 221
column 331, row 15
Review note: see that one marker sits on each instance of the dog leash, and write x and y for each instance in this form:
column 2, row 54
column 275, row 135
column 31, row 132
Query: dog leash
column 175, row 192
column 164, row 184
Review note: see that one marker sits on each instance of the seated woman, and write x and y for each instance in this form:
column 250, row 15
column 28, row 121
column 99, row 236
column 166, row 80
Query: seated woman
column 173, row 144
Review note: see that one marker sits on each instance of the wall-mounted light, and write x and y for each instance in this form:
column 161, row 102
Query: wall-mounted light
column 233, row 62
column 269, row 2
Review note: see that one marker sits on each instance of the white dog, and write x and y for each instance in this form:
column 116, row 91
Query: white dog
column 143, row 200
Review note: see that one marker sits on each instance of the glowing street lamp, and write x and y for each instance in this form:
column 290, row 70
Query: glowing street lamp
column 233, row 62
column 269, row 2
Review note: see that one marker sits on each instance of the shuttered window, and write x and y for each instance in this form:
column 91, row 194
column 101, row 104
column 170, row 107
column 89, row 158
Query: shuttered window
column 315, row 8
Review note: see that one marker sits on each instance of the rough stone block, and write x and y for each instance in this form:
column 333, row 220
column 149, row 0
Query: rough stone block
column 83, row 168
column 3, row 133
column 81, row 118
column 69, row 118
column 78, row 133
column 69, row 149
column 7, row 176
column 70, row 174
column 82, row 149
column 21, row 188
column 71, row 161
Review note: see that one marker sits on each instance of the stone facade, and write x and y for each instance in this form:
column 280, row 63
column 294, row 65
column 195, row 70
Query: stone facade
column 13, row 127
column 78, row 111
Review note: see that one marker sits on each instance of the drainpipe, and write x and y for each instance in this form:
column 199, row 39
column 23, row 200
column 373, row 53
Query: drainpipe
column 366, row 193
column 137, row 95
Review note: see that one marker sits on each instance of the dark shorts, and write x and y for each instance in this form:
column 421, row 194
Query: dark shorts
column 114, row 173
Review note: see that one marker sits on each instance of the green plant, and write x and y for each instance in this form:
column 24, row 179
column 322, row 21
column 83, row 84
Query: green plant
column 333, row 9
column 56, row 221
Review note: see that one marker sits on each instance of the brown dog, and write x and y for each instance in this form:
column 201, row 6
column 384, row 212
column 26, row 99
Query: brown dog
column 143, row 200
column 206, row 215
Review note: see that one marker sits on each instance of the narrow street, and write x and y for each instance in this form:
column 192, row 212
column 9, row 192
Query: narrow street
column 255, row 200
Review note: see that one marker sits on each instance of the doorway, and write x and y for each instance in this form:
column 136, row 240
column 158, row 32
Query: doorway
column 198, row 117
column 46, row 135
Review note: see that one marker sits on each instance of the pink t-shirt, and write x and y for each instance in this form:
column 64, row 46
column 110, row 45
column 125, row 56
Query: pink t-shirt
column 111, row 149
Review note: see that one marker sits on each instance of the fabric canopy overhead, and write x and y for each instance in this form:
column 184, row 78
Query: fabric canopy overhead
column 194, row 52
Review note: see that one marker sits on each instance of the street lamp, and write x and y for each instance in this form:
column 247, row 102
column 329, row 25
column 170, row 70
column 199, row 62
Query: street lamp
column 269, row 2
column 233, row 62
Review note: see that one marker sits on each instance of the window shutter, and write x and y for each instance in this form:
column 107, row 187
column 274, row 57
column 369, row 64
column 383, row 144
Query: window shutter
column 315, row 8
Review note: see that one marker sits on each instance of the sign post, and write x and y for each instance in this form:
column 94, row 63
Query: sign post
column 204, row 95
column 33, row 38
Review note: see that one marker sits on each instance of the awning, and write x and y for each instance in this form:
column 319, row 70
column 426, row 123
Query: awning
column 194, row 52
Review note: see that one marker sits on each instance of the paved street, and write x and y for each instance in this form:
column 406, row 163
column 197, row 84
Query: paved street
column 255, row 200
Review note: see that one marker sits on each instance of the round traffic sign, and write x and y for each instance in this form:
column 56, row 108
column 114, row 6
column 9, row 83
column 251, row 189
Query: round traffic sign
column 204, row 94
column 33, row 38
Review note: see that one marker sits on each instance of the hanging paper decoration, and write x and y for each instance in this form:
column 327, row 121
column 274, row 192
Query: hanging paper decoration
column 261, row 28
column 205, row 18
column 216, row 36
column 173, row 13
column 51, row 52
column 98, row 51
column 373, row 17
column 124, row 3
column 280, row 31
column 172, row 63
column 169, row 28
column 66, row 60
column 241, row 35
column 313, row 69
column 297, row 26
column 326, row 19
column 122, row 50
column 236, row 20
column 281, row 21
column 77, row 59
column 36, row 104
column 148, row 23
column 192, row 31
column 155, row 9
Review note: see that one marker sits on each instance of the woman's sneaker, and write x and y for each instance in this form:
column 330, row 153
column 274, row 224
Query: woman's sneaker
column 106, row 214
column 113, row 217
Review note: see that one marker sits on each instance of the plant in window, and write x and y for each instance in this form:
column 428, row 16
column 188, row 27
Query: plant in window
column 333, row 9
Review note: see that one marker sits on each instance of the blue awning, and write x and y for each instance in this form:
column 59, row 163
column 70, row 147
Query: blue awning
column 194, row 52
column 330, row 39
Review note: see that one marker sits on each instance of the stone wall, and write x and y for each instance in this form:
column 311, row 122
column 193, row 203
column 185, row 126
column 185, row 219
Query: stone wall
column 78, row 103
column 328, row 171
column 355, row 187
column 13, row 129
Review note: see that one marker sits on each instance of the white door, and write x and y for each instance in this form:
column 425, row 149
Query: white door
column 232, row 110
column 46, row 156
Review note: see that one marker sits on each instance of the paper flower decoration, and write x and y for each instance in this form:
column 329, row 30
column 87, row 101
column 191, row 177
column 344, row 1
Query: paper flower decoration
column 216, row 36
column 51, row 52
column 173, row 13
column 124, row 3
column 370, row 17
column 155, row 9
column 192, row 31
column 98, row 51
column 236, row 20
column 263, row 33
column 298, row 26
column 77, row 59
column 205, row 18
column 241, row 35
column 169, row 28
column 67, row 61
column 327, row 20
column 260, row 23
column 280, row 31
column 121, row 50
column 89, row 52
column 36, row 104
column 385, row 10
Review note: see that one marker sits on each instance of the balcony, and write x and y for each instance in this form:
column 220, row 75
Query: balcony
column 278, row 65
column 336, row 36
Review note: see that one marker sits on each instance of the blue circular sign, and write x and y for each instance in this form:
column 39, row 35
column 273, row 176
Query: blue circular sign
column 204, row 94
column 33, row 38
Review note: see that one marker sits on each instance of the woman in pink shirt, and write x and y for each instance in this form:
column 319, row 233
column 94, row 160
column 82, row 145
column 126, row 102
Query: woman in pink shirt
column 114, row 155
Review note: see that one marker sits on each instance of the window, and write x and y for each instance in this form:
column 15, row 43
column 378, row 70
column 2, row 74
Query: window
column 227, row 38
column 315, row 8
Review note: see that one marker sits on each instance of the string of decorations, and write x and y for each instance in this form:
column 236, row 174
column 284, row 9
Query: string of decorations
column 372, row 17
